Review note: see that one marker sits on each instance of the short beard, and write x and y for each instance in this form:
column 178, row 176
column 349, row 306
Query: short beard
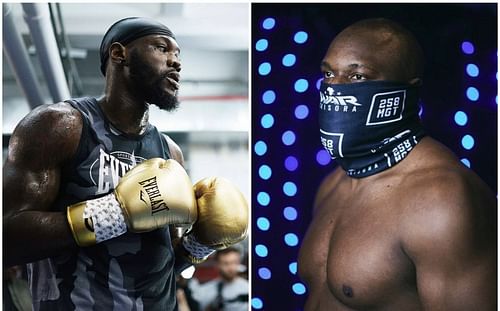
column 154, row 93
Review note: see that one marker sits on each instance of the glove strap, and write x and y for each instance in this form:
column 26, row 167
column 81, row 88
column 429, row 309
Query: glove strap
column 197, row 252
column 107, row 217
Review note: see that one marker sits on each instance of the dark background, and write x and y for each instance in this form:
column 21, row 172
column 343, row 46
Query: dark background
column 440, row 29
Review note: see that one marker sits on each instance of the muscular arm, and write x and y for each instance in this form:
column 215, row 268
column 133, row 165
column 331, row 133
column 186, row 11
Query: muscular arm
column 46, row 138
column 451, row 239
column 180, row 259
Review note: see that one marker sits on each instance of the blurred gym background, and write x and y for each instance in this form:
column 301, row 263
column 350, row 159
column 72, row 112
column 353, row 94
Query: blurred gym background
column 459, row 108
column 51, row 53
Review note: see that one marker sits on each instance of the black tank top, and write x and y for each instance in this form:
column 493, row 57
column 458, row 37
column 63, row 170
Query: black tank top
column 130, row 272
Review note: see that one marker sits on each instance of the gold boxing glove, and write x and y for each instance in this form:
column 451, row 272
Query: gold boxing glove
column 151, row 195
column 222, row 218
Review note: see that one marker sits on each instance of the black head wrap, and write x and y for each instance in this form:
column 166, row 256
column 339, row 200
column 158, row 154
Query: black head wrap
column 127, row 30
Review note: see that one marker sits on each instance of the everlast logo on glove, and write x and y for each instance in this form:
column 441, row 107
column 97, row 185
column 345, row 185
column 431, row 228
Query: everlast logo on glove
column 153, row 192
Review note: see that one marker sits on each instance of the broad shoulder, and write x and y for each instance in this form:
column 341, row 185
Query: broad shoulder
column 51, row 132
column 175, row 150
column 445, row 210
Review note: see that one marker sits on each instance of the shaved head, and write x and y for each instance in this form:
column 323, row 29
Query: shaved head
column 374, row 49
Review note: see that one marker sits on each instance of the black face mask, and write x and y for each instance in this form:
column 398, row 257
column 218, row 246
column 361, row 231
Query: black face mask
column 370, row 126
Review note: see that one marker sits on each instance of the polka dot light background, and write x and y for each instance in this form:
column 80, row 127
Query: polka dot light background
column 458, row 108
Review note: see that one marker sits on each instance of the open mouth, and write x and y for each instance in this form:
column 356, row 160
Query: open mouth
column 173, row 78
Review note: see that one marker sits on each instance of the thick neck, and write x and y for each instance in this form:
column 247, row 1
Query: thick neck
column 126, row 111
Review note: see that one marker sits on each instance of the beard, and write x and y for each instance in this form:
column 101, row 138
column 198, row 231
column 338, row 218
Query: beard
column 153, row 91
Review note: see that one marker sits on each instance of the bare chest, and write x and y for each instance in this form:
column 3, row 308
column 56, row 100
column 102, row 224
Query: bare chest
column 351, row 255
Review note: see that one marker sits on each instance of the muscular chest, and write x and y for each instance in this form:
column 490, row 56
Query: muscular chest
column 351, row 250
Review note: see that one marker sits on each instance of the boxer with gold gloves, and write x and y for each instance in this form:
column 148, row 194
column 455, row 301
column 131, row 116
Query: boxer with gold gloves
column 92, row 189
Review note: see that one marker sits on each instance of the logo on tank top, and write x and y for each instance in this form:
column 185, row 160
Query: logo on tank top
column 107, row 170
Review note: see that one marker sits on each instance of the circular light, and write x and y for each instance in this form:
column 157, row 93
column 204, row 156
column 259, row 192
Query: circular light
column 261, row 250
column 472, row 93
column 301, row 85
column 292, row 267
column 468, row 142
column 260, row 148
column 265, row 172
column 268, row 23
column 264, row 69
column 301, row 112
column 288, row 138
column 263, row 223
column 323, row 157
column 268, row 97
column 263, row 198
column 300, row 37
column 267, row 121
column 472, row 70
column 466, row 162
column 318, row 83
column 291, row 239
column 261, row 45
column 264, row 273
column 288, row 60
column 289, row 188
column 290, row 213
column 291, row 163
column 460, row 118
column 299, row 288
column 257, row 303
column 467, row 47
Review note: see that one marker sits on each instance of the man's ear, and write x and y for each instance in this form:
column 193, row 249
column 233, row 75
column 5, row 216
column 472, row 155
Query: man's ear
column 415, row 82
column 117, row 53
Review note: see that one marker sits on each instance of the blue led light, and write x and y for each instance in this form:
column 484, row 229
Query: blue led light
column 472, row 70
column 260, row 148
column 291, row 163
column 268, row 23
column 291, row 239
column 421, row 111
column 466, row 162
column 257, row 303
column 268, row 97
column 263, row 198
column 467, row 47
column 301, row 112
column 318, row 83
column 263, row 223
column 301, row 85
column 300, row 37
column 288, row 60
column 289, row 188
column 261, row 250
column 323, row 157
column 472, row 93
column 265, row 172
column 264, row 69
column 468, row 142
column 264, row 273
column 299, row 288
column 261, row 45
column 460, row 118
column 288, row 138
column 290, row 213
column 292, row 267
column 267, row 121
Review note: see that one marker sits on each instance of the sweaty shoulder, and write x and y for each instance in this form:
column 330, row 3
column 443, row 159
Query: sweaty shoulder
column 49, row 132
